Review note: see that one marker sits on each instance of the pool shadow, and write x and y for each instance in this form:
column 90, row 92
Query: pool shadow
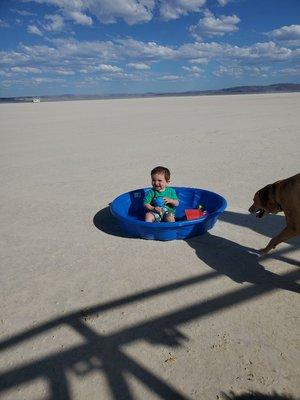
column 239, row 263
column 107, row 223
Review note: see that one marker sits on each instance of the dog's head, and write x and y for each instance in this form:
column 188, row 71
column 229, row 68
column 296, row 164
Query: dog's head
column 264, row 202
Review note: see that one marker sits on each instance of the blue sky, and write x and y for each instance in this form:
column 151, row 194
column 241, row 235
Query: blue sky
column 50, row 47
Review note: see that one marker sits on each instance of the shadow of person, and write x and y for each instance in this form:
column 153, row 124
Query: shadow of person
column 106, row 222
column 237, row 262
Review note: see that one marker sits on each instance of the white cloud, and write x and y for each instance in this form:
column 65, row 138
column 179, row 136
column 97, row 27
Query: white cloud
column 107, row 11
column 149, row 50
column 131, row 11
column 290, row 35
column 194, row 70
column 169, row 77
column 202, row 61
column 109, row 68
column 257, row 53
column 238, row 71
column 24, row 13
column 223, row 3
column 172, row 9
column 289, row 71
column 213, row 26
column 26, row 70
column 56, row 23
column 34, row 30
column 138, row 66
column 68, row 57
column 47, row 80
column 80, row 18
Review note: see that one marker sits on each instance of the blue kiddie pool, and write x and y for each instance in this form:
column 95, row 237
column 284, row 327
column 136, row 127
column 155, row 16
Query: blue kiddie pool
column 128, row 209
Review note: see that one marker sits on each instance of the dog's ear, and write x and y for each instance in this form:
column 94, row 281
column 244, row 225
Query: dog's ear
column 267, row 199
column 264, row 195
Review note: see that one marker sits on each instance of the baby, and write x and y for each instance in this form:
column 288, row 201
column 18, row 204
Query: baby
column 161, row 200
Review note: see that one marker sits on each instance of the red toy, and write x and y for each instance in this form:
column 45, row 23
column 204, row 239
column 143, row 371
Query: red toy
column 194, row 214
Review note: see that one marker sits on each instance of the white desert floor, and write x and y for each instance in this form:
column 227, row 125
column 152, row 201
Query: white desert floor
column 88, row 313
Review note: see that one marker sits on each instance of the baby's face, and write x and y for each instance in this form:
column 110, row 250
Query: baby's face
column 159, row 182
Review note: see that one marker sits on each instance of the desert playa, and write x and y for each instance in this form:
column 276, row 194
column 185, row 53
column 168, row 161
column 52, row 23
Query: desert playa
column 89, row 313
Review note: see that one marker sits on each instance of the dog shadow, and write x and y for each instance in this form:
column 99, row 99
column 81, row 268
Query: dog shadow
column 238, row 262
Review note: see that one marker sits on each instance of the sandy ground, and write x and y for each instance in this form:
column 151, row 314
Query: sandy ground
column 88, row 313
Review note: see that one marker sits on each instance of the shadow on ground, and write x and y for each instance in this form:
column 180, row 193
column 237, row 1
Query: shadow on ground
column 107, row 223
column 269, row 226
column 239, row 263
column 256, row 396
column 104, row 353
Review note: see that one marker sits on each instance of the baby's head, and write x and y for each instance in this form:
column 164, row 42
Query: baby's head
column 160, row 177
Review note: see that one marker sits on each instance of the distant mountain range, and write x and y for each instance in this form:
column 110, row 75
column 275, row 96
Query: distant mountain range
column 275, row 88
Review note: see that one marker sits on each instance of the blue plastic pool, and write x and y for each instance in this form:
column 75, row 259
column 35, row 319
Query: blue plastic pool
column 128, row 209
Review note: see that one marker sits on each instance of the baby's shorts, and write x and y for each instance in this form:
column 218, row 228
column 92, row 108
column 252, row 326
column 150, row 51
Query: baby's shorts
column 159, row 217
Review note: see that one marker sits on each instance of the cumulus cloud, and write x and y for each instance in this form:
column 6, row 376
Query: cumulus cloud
column 169, row 77
column 138, row 66
column 106, row 11
column 23, row 13
column 55, row 24
column 223, row 3
column 109, row 68
column 80, row 18
column 290, row 35
column 67, row 57
column 34, row 30
column 194, row 70
column 131, row 11
column 202, row 61
column 214, row 26
column 173, row 9
column 95, row 53
column 26, row 70
column 239, row 71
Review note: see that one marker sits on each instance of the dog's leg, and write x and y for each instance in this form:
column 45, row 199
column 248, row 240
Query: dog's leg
column 287, row 233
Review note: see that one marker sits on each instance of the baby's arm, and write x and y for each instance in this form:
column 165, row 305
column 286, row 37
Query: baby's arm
column 149, row 207
column 173, row 202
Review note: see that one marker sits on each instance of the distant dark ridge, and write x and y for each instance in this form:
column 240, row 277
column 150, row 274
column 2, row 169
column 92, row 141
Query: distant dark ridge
column 275, row 88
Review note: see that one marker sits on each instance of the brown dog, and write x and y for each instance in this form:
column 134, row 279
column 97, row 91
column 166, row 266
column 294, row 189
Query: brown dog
column 283, row 196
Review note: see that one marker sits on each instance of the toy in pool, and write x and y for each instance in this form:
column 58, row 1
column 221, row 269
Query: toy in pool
column 159, row 202
column 128, row 209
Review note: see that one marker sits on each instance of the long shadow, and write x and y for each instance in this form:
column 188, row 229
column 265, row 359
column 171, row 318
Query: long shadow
column 104, row 353
column 237, row 262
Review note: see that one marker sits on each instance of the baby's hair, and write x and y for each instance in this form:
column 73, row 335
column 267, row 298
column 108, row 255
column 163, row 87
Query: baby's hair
column 162, row 170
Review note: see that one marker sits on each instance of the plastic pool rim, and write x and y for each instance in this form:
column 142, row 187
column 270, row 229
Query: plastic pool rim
column 155, row 227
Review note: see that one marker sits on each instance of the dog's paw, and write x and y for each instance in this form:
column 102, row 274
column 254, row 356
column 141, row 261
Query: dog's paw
column 263, row 252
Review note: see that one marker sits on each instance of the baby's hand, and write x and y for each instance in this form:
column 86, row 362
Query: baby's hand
column 167, row 200
column 158, row 210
